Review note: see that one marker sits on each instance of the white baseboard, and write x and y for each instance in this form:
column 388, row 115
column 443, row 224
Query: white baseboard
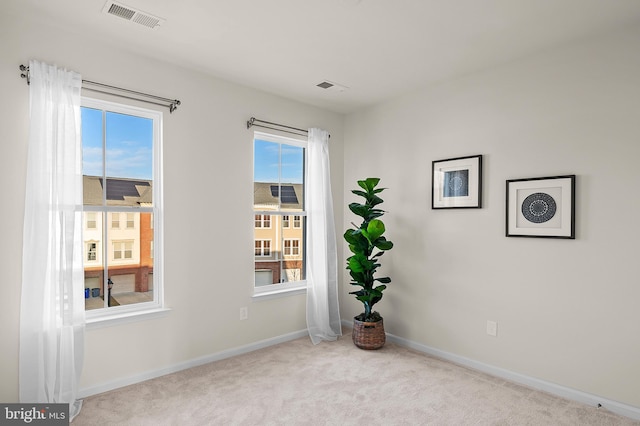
column 126, row 381
column 552, row 388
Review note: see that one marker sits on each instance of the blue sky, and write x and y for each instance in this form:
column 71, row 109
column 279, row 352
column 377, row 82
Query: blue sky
column 129, row 145
column 266, row 162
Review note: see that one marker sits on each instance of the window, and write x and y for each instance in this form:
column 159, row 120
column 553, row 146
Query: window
column 279, row 188
column 122, row 250
column 130, row 221
column 91, row 220
column 263, row 248
column 92, row 252
column 115, row 220
column 291, row 247
column 121, row 179
column 263, row 221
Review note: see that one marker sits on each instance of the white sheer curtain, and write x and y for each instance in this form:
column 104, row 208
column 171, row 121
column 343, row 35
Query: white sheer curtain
column 323, row 314
column 52, row 305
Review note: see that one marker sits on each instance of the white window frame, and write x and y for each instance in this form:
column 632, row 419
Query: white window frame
column 292, row 287
column 125, row 313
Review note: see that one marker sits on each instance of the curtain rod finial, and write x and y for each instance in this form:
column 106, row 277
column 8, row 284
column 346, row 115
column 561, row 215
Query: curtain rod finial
column 25, row 73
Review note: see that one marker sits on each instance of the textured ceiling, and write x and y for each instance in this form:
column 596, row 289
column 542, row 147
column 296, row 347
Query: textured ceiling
column 377, row 48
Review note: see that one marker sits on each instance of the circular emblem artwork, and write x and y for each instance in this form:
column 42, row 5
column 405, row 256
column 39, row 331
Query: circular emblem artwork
column 456, row 183
column 539, row 207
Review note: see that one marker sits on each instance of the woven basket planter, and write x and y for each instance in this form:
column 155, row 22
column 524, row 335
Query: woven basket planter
column 368, row 335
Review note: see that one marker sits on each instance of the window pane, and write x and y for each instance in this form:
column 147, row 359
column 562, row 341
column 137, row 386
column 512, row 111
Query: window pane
column 291, row 181
column 279, row 250
column 129, row 260
column 266, row 164
column 93, row 262
column 292, row 262
column 130, row 266
column 92, row 156
column 129, row 162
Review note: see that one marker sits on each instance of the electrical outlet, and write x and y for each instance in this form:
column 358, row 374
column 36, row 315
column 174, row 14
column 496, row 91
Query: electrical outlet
column 244, row 313
column 492, row 328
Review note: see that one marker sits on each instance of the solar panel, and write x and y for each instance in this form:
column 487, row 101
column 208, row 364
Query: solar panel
column 287, row 194
column 117, row 189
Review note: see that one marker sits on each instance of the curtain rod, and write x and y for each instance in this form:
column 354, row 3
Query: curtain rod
column 280, row 127
column 172, row 104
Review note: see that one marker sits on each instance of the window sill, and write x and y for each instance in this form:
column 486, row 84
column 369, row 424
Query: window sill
column 266, row 295
column 124, row 318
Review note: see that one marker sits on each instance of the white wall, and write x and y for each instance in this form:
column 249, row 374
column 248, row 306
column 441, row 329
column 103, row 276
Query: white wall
column 208, row 201
column 567, row 310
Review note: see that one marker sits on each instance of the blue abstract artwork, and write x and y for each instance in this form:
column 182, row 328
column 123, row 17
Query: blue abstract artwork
column 456, row 183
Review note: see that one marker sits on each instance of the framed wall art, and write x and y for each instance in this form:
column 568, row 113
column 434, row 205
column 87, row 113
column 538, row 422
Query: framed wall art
column 457, row 183
column 541, row 207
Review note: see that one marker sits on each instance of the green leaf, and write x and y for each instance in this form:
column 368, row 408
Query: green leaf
column 358, row 243
column 375, row 292
column 354, row 265
column 357, row 276
column 374, row 200
column 351, row 236
column 385, row 280
column 363, row 298
column 375, row 300
column 375, row 229
column 358, row 192
column 360, row 263
column 375, row 213
column 369, row 183
column 359, row 209
column 383, row 244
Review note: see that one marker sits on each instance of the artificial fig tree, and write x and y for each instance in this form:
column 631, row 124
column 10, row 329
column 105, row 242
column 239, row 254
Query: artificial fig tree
column 367, row 244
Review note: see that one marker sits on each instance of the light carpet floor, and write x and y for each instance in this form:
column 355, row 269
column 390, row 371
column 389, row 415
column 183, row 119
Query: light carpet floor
column 335, row 383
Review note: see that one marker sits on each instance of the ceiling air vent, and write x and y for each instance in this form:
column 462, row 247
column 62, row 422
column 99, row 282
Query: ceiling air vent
column 131, row 14
column 331, row 86
column 325, row 85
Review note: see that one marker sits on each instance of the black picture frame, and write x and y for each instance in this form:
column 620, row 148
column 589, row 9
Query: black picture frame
column 456, row 183
column 542, row 207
